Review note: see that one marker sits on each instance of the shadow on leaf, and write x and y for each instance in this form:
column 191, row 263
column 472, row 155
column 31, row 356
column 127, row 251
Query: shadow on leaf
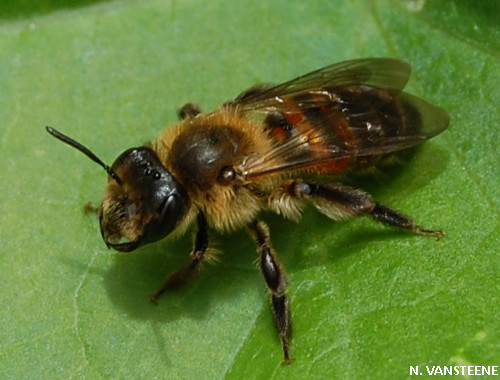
column 27, row 8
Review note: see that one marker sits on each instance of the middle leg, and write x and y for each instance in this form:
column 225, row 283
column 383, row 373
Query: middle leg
column 276, row 282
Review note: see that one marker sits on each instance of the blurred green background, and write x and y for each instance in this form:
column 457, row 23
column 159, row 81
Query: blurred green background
column 367, row 301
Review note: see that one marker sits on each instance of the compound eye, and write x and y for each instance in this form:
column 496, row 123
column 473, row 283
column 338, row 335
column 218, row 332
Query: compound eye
column 170, row 212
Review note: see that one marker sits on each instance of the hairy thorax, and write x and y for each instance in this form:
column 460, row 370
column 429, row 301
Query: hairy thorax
column 204, row 155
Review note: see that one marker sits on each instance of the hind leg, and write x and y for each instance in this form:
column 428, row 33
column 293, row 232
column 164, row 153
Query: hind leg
column 340, row 202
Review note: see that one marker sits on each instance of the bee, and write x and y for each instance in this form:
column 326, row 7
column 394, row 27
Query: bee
column 274, row 148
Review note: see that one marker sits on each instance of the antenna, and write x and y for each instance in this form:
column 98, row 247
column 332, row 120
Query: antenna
column 84, row 150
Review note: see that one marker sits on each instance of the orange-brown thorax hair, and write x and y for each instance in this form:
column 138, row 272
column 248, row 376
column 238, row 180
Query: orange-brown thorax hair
column 196, row 150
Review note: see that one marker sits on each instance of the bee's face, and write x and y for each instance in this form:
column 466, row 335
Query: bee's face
column 146, row 203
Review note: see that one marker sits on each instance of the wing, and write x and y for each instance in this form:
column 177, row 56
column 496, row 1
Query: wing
column 330, row 117
column 387, row 73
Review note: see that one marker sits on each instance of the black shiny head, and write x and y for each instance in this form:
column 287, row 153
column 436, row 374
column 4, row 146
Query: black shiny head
column 143, row 201
column 146, row 206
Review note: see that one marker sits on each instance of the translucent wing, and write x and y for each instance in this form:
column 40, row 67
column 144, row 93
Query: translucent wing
column 387, row 73
column 329, row 118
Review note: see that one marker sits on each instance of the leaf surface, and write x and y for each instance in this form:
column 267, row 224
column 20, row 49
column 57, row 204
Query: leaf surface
column 367, row 301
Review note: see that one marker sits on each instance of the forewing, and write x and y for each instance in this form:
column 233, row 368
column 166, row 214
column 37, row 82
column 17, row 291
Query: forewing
column 387, row 73
column 338, row 114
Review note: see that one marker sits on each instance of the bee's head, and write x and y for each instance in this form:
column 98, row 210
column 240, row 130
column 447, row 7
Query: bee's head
column 143, row 201
column 144, row 205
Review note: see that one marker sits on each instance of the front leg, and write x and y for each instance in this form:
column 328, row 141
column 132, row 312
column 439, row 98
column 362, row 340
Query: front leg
column 276, row 282
column 191, row 268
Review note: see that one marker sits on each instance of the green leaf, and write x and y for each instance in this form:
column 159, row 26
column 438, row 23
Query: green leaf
column 367, row 301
